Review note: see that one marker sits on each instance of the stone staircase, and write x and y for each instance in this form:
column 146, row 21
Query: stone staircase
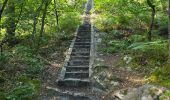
column 76, row 68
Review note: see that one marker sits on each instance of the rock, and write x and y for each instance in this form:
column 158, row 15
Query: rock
column 94, row 89
column 119, row 95
column 114, row 83
column 100, row 59
column 99, row 40
column 146, row 92
column 147, row 98
column 127, row 59
column 98, row 85
column 102, row 76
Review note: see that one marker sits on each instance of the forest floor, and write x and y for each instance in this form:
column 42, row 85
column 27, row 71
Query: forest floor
column 125, row 77
column 50, row 74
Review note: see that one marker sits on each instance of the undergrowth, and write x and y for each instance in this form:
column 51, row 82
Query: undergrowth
column 144, row 56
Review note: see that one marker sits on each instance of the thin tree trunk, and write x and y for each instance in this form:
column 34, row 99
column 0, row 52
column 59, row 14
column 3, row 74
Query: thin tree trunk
column 43, row 19
column 1, row 11
column 3, row 7
column 169, row 32
column 152, row 19
column 56, row 14
column 37, row 13
column 11, row 25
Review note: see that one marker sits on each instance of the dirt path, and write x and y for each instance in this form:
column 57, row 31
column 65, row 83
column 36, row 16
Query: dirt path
column 125, row 77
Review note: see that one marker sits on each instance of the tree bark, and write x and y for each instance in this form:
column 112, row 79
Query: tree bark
column 56, row 14
column 11, row 27
column 3, row 7
column 1, row 11
column 152, row 19
column 37, row 13
column 43, row 18
column 169, row 32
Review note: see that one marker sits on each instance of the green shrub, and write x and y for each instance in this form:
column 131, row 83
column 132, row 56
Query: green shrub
column 33, row 63
column 136, row 38
column 4, row 58
column 152, row 54
column 117, row 34
column 69, row 22
column 165, row 96
column 25, row 89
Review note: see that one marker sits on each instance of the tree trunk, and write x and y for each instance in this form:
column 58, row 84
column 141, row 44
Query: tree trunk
column 37, row 13
column 11, row 27
column 56, row 14
column 3, row 7
column 1, row 11
column 152, row 19
column 169, row 32
column 43, row 19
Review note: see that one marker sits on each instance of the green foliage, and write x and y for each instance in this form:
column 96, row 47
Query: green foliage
column 115, row 46
column 34, row 64
column 117, row 34
column 136, row 38
column 26, row 89
column 165, row 96
column 69, row 22
column 4, row 58
column 151, row 54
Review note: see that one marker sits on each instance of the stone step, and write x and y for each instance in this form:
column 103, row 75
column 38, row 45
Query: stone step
column 83, row 37
column 80, row 54
column 84, row 33
column 79, row 75
column 78, row 62
column 81, row 50
column 82, row 40
column 80, row 57
column 82, row 43
column 74, row 82
column 82, row 46
column 77, row 68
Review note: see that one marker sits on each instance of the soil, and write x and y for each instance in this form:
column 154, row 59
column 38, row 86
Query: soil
column 126, row 78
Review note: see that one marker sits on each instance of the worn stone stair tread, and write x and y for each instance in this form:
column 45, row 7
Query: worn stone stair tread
column 77, row 74
column 74, row 82
column 78, row 79
column 80, row 54
column 81, row 47
column 82, row 43
column 82, row 40
column 78, row 66
column 79, row 57
column 78, row 62
column 81, row 69
column 81, row 50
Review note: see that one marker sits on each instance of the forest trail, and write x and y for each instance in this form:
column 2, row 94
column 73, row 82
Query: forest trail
column 75, row 72
column 74, row 80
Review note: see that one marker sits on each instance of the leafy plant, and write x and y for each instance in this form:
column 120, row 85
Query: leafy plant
column 152, row 54
column 33, row 63
column 26, row 89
